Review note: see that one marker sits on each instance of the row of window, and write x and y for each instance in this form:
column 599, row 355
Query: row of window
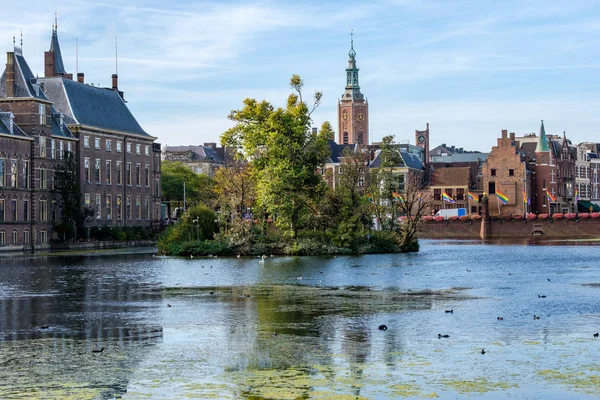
column 108, row 172
column 119, row 146
column 57, row 147
column 12, row 214
column 26, row 237
column 460, row 194
column 10, row 176
column 139, row 212
column 511, row 172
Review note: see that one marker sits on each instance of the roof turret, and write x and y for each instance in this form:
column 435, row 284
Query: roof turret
column 542, row 144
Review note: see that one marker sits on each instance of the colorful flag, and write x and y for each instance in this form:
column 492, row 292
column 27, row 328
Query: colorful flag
column 525, row 198
column 421, row 199
column 447, row 198
column 397, row 196
column 551, row 197
column 473, row 197
column 576, row 194
column 502, row 198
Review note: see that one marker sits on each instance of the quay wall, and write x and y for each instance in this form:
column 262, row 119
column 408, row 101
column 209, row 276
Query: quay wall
column 513, row 229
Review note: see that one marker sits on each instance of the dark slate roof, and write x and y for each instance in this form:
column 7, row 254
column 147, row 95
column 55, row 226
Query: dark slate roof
column 529, row 149
column 592, row 155
column 197, row 153
column 410, row 160
column 59, row 67
column 4, row 129
column 59, row 127
column 337, row 150
column 83, row 104
column 25, row 81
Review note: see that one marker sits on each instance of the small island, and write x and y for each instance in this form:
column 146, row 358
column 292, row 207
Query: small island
column 274, row 195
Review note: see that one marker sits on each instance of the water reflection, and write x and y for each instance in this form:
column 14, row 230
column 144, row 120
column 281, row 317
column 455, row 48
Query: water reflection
column 239, row 329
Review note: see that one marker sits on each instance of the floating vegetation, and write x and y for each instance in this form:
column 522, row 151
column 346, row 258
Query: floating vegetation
column 580, row 380
column 477, row 385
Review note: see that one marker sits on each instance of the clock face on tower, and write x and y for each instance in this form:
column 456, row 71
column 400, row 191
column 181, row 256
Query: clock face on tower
column 360, row 117
column 421, row 139
column 345, row 116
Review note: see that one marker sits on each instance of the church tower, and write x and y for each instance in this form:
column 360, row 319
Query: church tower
column 353, row 109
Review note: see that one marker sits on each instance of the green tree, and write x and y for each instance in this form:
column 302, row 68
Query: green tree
column 235, row 189
column 414, row 205
column 198, row 188
column 388, row 181
column 327, row 130
column 68, row 197
column 284, row 154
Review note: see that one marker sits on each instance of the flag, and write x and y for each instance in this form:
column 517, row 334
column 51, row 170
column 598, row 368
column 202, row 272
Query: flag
column 421, row 199
column 397, row 196
column 551, row 197
column 447, row 198
column 502, row 198
column 576, row 194
column 473, row 197
column 526, row 198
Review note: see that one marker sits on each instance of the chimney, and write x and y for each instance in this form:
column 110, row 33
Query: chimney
column 10, row 74
column 504, row 133
column 80, row 77
column 512, row 136
column 115, row 82
column 48, row 64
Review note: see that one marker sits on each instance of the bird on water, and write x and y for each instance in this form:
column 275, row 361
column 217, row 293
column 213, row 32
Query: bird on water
column 98, row 351
column 383, row 327
column 442, row 336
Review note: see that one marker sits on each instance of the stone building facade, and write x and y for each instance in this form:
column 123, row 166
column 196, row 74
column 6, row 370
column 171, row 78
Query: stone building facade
column 205, row 159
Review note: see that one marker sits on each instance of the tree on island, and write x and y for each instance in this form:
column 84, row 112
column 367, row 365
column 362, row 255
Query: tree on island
column 285, row 154
column 198, row 187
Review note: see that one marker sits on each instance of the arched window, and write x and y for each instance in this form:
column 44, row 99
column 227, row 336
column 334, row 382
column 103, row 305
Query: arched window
column 359, row 138
column 345, row 138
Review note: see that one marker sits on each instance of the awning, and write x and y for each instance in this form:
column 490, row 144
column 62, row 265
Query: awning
column 584, row 206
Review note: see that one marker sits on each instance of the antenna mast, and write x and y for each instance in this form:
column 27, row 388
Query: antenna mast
column 116, row 56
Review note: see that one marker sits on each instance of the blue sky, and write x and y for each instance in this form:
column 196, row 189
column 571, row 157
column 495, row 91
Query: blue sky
column 469, row 68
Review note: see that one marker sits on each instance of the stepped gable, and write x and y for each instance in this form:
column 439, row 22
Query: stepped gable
column 96, row 107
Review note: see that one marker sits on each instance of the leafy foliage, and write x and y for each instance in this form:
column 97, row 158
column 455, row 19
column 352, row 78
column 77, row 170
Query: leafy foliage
column 66, row 186
column 199, row 188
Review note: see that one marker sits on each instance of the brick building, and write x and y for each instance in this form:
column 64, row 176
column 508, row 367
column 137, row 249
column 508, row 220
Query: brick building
column 204, row 159
column 506, row 170
column 456, row 183
column 42, row 118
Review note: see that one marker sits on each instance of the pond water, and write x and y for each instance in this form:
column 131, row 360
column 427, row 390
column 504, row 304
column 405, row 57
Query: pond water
column 305, row 328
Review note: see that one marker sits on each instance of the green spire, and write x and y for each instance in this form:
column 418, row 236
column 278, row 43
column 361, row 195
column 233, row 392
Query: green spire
column 542, row 144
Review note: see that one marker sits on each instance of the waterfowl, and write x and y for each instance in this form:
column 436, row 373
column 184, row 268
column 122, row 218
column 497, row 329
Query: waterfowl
column 482, row 351
column 441, row 336
column 468, row 270
column 168, row 305
column 548, row 279
column 299, row 278
column 543, row 296
column 535, row 317
column 596, row 334
column 98, row 351
column 449, row 311
column 44, row 326
column 383, row 327
column 238, row 256
column 274, row 333
column 500, row 319
column 262, row 259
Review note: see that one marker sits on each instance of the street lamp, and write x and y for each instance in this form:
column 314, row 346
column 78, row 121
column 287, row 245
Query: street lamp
column 195, row 221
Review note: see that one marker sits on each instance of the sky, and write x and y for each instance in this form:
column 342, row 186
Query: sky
column 468, row 68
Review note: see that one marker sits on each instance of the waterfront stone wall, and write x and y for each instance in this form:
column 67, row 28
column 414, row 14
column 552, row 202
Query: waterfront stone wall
column 517, row 229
